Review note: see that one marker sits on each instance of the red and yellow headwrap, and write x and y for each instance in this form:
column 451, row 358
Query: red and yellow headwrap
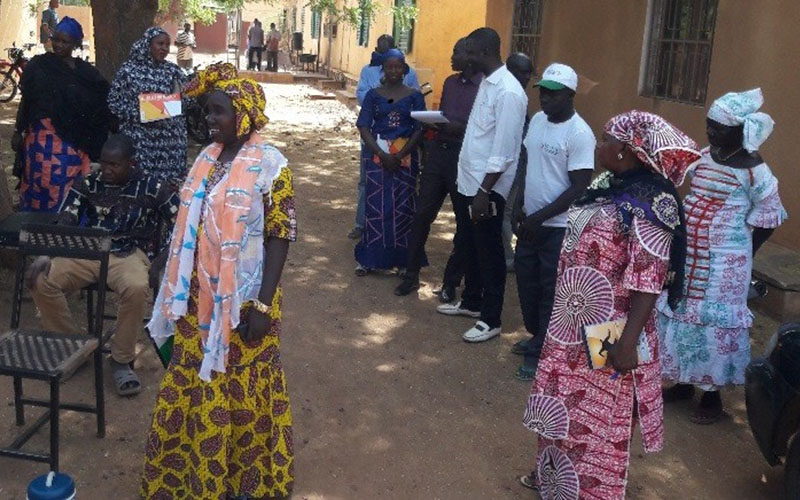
column 246, row 94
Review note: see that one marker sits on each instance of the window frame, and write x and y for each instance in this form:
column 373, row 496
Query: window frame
column 534, row 33
column 678, row 50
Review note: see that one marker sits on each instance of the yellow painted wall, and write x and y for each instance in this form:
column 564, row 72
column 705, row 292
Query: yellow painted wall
column 754, row 44
column 440, row 25
column 16, row 25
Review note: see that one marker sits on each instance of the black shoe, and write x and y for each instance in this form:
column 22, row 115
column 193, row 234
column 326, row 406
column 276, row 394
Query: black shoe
column 447, row 294
column 409, row 284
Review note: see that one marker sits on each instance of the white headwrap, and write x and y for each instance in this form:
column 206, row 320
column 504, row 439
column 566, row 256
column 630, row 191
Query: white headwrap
column 741, row 108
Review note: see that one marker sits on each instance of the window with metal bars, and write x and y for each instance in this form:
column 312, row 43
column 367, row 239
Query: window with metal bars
column 363, row 27
column 678, row 57
column 403, row 38
column 526, row 32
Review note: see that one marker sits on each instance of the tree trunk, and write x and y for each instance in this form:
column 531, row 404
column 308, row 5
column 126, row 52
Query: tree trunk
column 117, row 24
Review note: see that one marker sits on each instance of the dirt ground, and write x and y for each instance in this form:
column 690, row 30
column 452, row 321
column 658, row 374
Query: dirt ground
column 388, row 401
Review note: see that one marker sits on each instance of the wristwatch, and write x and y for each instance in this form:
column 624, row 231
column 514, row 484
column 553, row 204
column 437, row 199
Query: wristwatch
column 261, row 307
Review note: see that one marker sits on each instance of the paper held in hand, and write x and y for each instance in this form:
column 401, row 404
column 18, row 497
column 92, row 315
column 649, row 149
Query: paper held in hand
column 431, row 117
column 154, row 107
column 602, row 337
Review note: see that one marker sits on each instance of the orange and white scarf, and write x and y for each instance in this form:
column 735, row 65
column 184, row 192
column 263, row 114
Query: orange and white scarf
column 224, row 240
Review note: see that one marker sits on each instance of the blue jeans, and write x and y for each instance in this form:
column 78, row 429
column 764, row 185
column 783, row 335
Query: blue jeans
column 536, row 264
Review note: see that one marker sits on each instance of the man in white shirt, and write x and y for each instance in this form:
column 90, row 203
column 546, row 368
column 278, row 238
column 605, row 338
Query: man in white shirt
column 486, row 167
column 560, row 147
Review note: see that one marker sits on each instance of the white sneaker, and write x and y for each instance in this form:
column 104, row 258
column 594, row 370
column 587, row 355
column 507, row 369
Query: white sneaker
column 456, row 310
column 480, row 332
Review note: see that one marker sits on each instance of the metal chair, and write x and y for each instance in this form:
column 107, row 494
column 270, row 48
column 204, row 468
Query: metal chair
column 48, row 356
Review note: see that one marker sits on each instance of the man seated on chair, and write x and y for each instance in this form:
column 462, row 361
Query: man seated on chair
column 127, row 203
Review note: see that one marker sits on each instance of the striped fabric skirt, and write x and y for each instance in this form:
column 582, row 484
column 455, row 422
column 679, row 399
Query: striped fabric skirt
column 51, row 166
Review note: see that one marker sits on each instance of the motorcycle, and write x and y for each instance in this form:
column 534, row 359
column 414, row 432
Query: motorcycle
column 11, row 71
column 772, row 397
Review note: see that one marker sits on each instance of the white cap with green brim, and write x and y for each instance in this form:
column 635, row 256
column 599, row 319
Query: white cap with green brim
column 559, row 76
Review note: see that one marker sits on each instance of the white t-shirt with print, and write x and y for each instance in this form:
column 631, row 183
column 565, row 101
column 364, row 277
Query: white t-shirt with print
column 554, row 149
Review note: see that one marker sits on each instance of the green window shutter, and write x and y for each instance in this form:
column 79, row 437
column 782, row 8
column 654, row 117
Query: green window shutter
column 404, row 38
column 363, row 28
column 316, row 21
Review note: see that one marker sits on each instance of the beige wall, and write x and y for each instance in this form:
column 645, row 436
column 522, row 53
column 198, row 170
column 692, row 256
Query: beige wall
column 755, row 44
column 16, row 25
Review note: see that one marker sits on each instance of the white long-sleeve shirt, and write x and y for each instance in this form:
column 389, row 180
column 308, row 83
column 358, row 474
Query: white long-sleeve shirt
column 494, row 134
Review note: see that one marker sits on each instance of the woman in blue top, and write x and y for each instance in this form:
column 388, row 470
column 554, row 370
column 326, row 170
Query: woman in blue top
column 391, row 137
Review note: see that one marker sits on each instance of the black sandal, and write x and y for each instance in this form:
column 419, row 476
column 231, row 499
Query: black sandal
column 678, row 392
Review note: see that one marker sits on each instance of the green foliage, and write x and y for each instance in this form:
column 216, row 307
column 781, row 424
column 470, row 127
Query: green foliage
column 202, row 11
column 404, row 15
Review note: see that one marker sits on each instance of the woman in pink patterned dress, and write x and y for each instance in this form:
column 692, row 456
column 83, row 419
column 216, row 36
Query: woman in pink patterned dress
column 624, row 237
column 733, row 208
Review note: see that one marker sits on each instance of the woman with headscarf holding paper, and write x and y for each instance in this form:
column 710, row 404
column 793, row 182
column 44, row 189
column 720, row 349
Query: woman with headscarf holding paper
column 625, row 239
column 62, row 120
column 732, row 209
column 222, row 425
column 160, row 141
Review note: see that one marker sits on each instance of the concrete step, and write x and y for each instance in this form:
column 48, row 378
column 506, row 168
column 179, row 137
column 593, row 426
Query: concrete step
column 347, row 97
column 268, row 76
column 331, row 84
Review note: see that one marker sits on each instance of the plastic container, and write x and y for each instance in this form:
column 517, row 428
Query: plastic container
column 52, row 486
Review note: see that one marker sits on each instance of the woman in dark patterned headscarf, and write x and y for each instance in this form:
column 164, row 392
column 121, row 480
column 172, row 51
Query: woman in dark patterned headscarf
column 62, row 120
column 160, row 145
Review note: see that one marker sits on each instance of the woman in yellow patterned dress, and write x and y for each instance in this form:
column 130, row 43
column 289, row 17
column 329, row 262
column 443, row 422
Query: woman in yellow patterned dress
column 222, row 426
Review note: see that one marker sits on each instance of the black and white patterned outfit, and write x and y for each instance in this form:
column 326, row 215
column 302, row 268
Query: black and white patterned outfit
column 160, row 145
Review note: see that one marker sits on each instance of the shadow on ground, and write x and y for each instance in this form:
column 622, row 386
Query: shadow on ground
column 388, row 401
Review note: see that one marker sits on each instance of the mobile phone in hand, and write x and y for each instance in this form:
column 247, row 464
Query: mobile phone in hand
column 492, row 209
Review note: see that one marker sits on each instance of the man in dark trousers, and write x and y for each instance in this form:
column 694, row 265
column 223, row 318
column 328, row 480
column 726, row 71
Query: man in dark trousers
column 521, row 66
column 486, row 167
column 560, row 147
column 438, row 177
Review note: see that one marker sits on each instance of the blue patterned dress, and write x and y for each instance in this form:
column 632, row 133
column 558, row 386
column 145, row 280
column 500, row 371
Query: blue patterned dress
column 390, row 196
column 706, row 340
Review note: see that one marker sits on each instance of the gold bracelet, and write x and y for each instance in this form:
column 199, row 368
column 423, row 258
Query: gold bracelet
column 262, row 307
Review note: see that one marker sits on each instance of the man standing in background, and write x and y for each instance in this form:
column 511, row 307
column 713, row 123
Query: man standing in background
column 486, row 168
column 273, row 46
column 560, row 148
column 185, row 42
column 255, row 39
column 48, row 27
column 438, row 177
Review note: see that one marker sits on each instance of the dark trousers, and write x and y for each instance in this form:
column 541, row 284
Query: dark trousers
column 484, row 259
column 272, row 60
column 536, row 265
column 250, row 63
column 437, row 180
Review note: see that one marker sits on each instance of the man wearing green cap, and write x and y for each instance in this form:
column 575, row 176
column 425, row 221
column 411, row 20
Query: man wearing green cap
column 560, row 148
